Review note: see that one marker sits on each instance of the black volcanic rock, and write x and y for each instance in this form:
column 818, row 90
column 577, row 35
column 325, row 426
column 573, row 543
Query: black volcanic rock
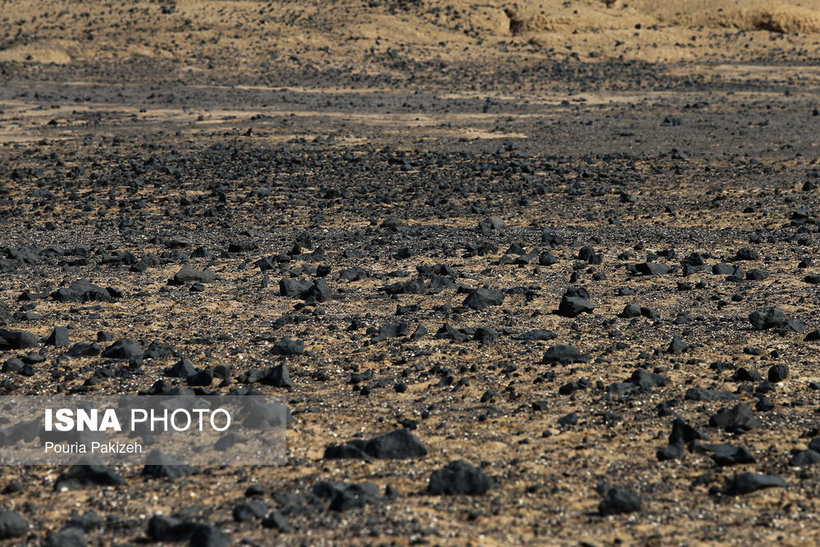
column 630, row 311
column 309, row 291
column 88, row 472
column 725, row 454
column 647, row 380
column 805, row 458
column 12, row 525
column 278, row 376
column 159, row 465
column 181, row 369
column 677, row 346
column 652, row 268
column 58, row 337
column 747, row 254
column 573, row 306
column 398, row 444
column 250, row 510
column 286, row 346
column 459, row 477
column 738, row 419
column 67, row 537
column 83, row 291
column 722, row 269
column 393, row 330
column 168, row 529
column 344, row 496
column 483, row 298
column 485, row 335
column 549, row 237
column 278, row 521
column 757, row 274
column 294, row 287
column 123, row 349
column 187, row 274
column 492, row 225
column 767, row 318
column 354, row 496
column 708, row 395
column 618, row 501
column 537, row 334
column 682, row 435
column 82, row 349
column 5, row 315
column 208, row 535
column 746, row 483
column 17, row 339
column 778, row 373
column 564, row 354
column 159, row 350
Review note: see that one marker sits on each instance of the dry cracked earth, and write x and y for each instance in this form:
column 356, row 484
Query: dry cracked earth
column 520, row 278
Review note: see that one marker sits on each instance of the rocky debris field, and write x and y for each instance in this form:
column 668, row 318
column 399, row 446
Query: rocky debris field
column 572, row 302
column 477, row 344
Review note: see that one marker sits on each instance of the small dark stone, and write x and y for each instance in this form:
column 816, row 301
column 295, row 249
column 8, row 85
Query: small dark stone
column 778, row 373
column 492, row 224
column 67, row 537
column 630, row 311
column 398, row 444
column 208, row 535
column 58, row 337
column 12, row 525
column 459, row 477
column 747, row 254
column 182, row 369
column 757, row 274
column 159, row 465
column 5, row 315
column 278, row 521
column 189, row 275
column 564, row 354
column 354, row 496
column 538, row 334
column 813, row 279
column 89, row 471
column 572, row 306
column 82, row 291
column 420, row 332
column 725, row 454
column 652, row 268
column 485, row 335
column 123, row 349
column 744, row 375
column 746, row 483
column 722, row 269
column 286, row 347
column 767, row 318
column 250, row 510
column 805, row 458
column 618, row 501
column 569, row 419
column 677, row 346
column 17, row 339
column 708, row 395
column 738, row 419
column 278, row 376
column 483, row 298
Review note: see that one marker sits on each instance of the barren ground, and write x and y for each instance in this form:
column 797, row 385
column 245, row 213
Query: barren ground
column 379, row 134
